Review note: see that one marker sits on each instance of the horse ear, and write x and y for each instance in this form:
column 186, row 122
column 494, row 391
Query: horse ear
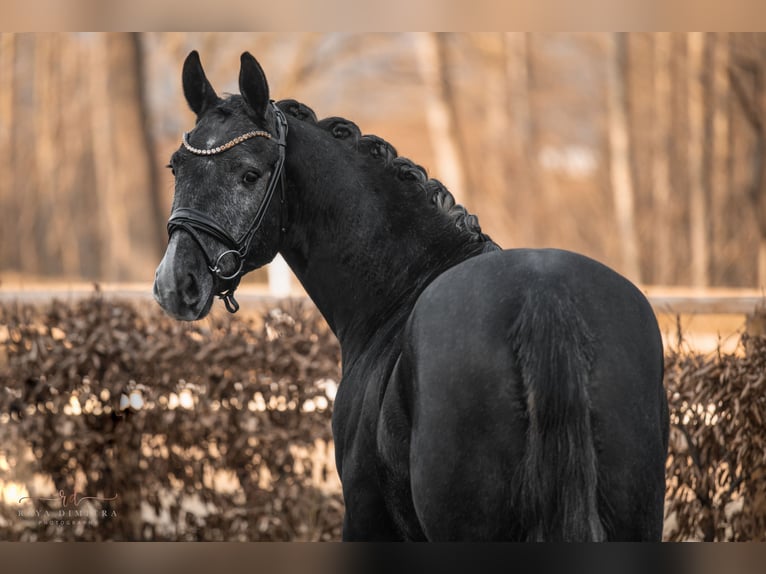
column 199, row 93
column 253, row 85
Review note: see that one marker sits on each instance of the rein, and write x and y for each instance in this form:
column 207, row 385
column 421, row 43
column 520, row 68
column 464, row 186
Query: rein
column 195, row 222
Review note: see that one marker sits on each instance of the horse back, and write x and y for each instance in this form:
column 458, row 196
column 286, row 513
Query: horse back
column 464, row 321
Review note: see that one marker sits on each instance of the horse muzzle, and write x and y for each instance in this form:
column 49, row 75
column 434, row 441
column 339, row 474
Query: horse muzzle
column 183, row 294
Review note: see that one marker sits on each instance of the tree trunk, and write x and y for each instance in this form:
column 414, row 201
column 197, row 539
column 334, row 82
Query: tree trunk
column 61, row 242
column 720, row 154
column 121, row 160
column 698, row 211
column 524, row 177
column 148, row 149
column 620, row 157
column 8, row 192
column 440, row 114
column 109, row 204
column 662, row 207
column 45, row 174
column 758, row 192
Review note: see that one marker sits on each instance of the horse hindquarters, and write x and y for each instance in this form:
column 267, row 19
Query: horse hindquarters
column 501, row 443
column 518, row 360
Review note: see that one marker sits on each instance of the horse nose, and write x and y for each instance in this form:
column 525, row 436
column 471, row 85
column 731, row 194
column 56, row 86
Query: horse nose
column 188, row 288
column 183, row 287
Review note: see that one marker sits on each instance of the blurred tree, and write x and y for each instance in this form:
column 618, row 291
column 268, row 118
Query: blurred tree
column 441, row 114
column 620, row 157
column 698, row 209
column 122, row 161
column 719, row 166
column 7, row 185
column 56, row 246
column 661, row 186
column 76, row 147
column 147, row 141
column 747, row 76
column 520, row 138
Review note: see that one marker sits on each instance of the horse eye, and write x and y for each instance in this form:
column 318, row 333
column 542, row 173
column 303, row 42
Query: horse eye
column 250, row 177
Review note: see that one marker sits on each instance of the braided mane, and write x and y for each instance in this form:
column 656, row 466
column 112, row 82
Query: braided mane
column 406, row 170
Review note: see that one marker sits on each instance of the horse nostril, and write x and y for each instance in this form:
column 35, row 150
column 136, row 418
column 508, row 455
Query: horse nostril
column 190, row 290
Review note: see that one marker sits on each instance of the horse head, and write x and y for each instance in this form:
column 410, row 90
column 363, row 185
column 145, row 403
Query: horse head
column 227, row 170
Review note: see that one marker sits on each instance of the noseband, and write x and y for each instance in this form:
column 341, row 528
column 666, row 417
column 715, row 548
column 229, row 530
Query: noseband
column 195, row 222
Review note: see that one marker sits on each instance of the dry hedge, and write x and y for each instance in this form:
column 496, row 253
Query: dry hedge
column 716, row 471
column 248, row 461
column 220, row 429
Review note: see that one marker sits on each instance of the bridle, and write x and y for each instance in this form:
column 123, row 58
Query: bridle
column 195, row 222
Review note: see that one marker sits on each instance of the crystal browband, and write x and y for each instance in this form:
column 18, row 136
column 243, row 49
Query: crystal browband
column 227, row 145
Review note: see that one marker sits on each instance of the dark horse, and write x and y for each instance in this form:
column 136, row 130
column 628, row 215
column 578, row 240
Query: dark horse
column 487, row 394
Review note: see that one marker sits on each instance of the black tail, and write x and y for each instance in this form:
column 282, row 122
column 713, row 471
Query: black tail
column 557, row 482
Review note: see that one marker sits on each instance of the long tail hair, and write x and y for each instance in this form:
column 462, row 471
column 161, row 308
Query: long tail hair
column 557, row 483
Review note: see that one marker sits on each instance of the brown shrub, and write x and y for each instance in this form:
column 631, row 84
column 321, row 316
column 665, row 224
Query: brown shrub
column 715, row 471
column 260, row 422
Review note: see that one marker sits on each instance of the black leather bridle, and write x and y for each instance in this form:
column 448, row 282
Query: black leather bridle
column 195, row 222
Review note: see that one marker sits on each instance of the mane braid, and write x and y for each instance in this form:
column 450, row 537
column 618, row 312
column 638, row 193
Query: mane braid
column 404, row 169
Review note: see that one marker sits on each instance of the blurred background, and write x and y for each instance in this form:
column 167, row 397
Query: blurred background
column 643, row 150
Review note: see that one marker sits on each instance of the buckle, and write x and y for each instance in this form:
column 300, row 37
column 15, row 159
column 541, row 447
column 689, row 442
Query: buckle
column 218, row 272
column 229, row 301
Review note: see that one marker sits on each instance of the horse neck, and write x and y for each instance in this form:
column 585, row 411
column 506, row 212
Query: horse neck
column 362, row 254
